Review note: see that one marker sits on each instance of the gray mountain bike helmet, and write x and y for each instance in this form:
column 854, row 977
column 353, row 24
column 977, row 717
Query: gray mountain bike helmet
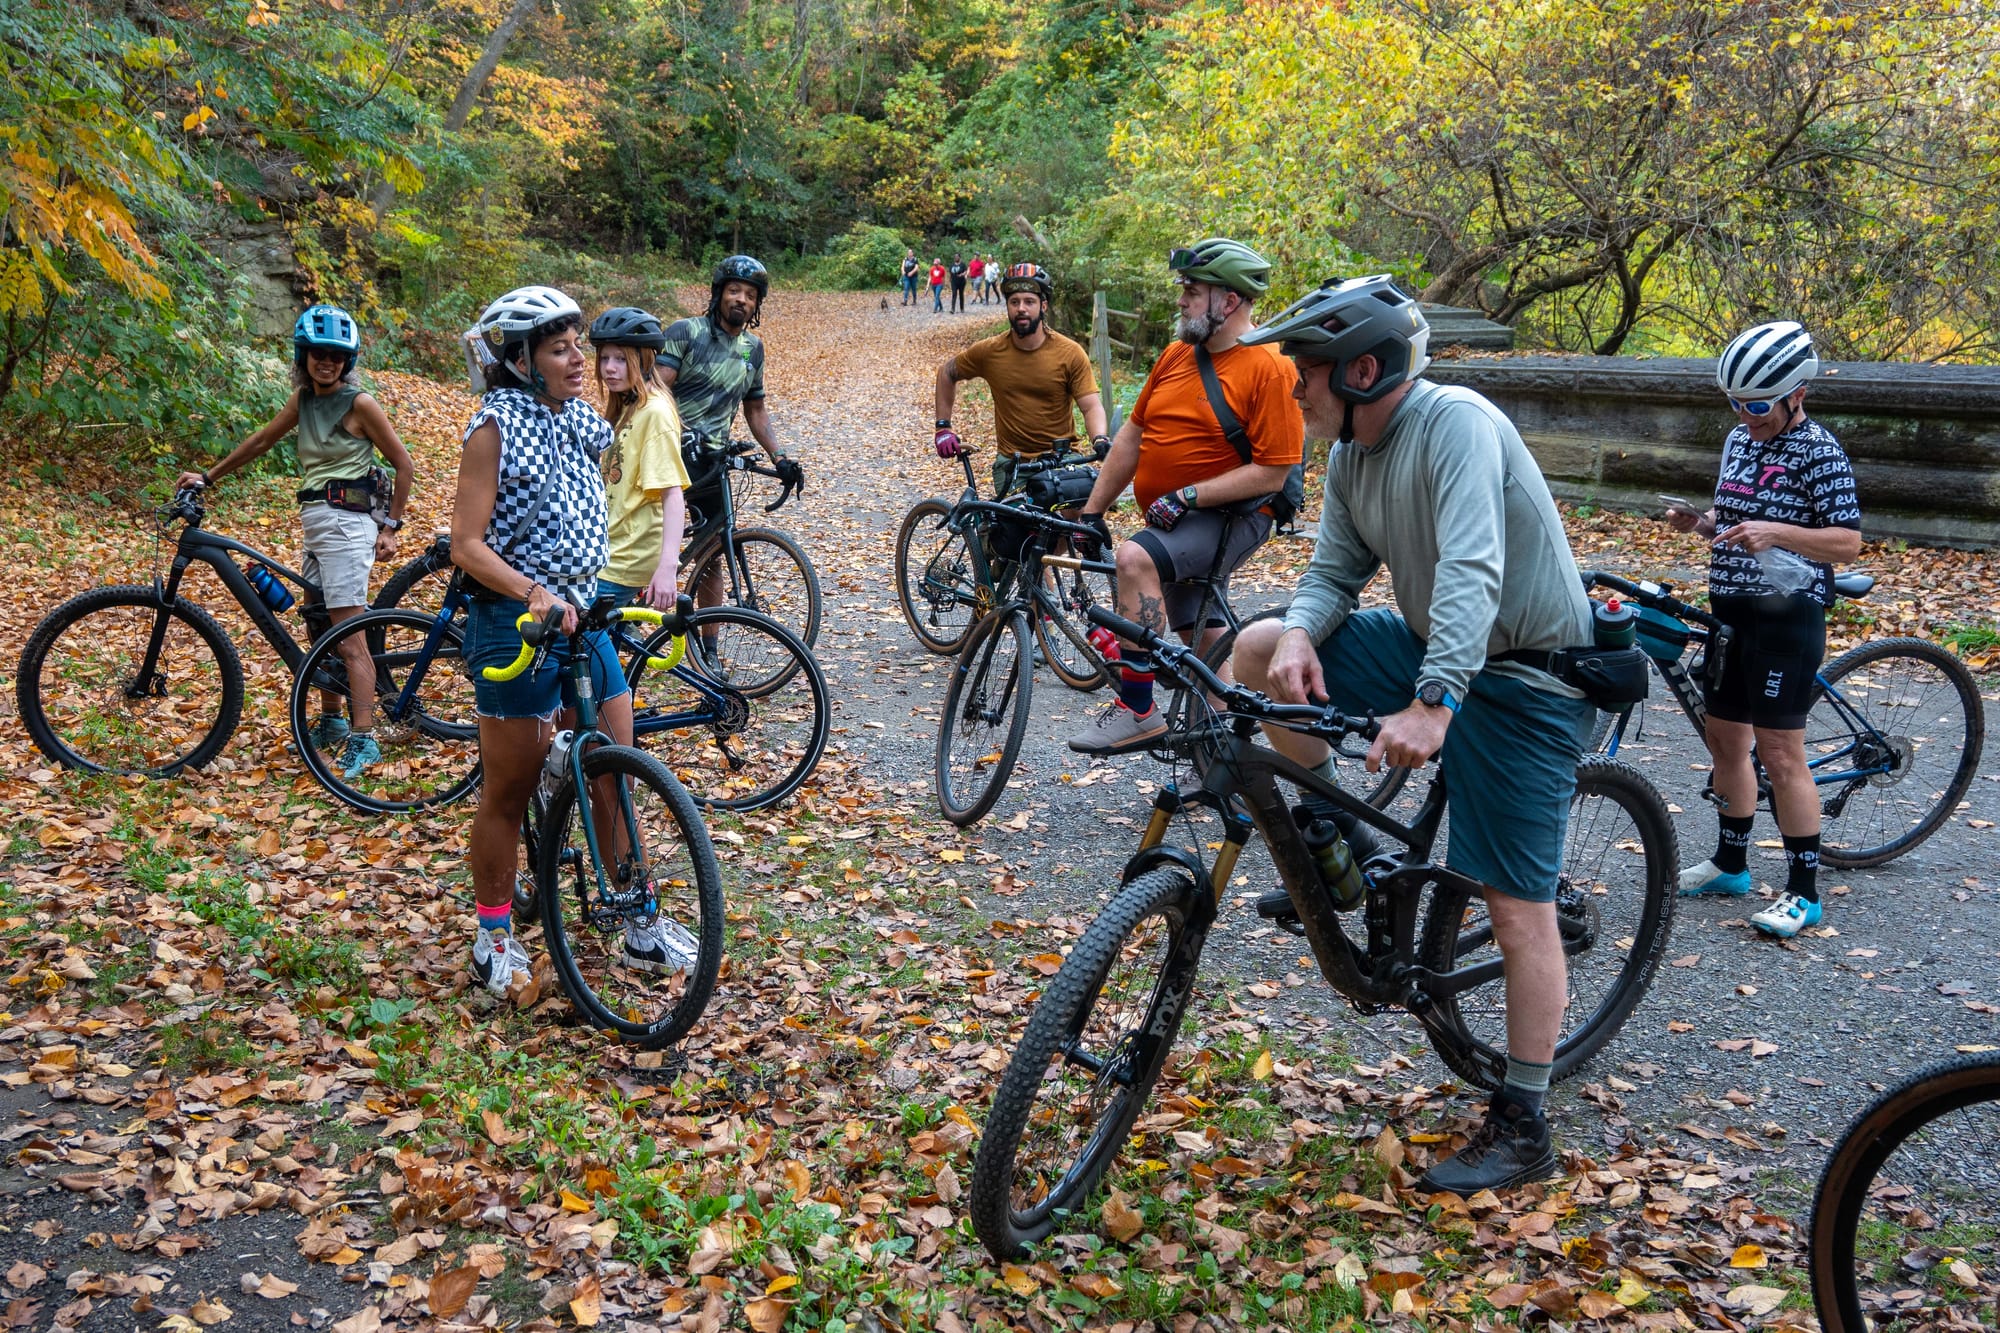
column 1344, row 321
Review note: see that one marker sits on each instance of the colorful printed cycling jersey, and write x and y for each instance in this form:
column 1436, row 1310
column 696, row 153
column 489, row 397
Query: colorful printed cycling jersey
column 1801, row 477
column 715, row 373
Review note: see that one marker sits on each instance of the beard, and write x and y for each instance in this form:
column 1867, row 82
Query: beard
column 1198, row 328
column 1025, row 325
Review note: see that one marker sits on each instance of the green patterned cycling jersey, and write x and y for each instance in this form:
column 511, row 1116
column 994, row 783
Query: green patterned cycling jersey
column 714, row 374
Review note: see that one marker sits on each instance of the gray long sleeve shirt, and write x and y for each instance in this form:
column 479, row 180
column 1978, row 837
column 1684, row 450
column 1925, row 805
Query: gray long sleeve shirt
column 1452, row 502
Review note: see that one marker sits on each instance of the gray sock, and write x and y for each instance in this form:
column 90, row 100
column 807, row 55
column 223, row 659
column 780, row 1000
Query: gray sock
column 1325, row 769
column 1527, row 1084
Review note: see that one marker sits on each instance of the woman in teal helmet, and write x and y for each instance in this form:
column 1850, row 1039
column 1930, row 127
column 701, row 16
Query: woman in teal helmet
column 340, row 429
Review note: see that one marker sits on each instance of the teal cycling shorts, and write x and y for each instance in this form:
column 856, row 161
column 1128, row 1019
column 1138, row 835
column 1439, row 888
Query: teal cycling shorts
column 1509, row 758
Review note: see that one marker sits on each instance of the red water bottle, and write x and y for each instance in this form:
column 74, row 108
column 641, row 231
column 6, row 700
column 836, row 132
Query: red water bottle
column 1105, row 642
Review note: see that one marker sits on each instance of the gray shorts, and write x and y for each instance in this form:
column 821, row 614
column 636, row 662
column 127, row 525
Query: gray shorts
column 1204, row 540
column 340, row 553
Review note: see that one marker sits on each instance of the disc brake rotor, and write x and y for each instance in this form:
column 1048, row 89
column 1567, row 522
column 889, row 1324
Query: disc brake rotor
column 1901, row 751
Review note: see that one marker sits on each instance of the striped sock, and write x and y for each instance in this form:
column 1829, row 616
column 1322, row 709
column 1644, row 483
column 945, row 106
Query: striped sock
column 1135, row 682
column 499, row 918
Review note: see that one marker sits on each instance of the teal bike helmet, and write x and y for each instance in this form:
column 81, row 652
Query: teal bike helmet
column 325, row 326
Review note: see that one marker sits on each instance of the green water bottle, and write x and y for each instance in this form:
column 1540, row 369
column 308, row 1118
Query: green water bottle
column 1613, row 624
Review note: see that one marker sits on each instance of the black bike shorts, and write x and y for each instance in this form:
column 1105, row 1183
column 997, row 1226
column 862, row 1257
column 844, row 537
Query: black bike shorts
column 1769, row 670
column 1205, row 543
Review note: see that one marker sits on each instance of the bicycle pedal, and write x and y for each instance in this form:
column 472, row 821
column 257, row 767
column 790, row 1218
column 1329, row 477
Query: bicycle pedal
column 1276, row 906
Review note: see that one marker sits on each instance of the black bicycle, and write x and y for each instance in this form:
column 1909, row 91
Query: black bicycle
column 1417, row 939
column 754, row 568
column 128, row 678
column 1906, row 1222
column 1893, row 737
column 741, row 719
column 621, row 849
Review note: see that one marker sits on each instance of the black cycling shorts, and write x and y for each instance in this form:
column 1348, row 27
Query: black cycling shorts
column 1205, row 541
column 1769, row 670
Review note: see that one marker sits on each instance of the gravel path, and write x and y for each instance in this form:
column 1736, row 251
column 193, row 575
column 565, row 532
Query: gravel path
column 1905, row 969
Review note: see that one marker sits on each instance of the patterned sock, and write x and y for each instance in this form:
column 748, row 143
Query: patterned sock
column 499, row 918
column 1732, row 847
column 1802, row 867
column 1527, row 1084
column 1135, row 682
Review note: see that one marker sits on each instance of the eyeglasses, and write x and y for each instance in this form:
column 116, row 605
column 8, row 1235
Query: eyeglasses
column 1759, row 408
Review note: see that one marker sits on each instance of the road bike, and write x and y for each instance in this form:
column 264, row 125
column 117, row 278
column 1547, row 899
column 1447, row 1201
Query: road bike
column 757, row 568
column 1419, row 940
column 1893, row 737
column 130, row 678
column 1906, row 1221
column 620, row 847
column 951, row 559
column 741, row 720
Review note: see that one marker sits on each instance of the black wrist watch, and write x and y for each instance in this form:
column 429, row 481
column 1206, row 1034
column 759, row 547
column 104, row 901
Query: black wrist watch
column 1187, row 497
column 944, row 423
column 1432, row 694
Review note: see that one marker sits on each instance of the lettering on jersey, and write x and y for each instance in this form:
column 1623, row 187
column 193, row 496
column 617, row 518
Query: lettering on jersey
column 1802, row 478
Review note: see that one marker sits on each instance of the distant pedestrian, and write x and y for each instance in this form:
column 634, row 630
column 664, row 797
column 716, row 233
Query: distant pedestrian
column 958, row 268
column 910, row 270
column 994, row 273
column 975, row 274
column 937, row 286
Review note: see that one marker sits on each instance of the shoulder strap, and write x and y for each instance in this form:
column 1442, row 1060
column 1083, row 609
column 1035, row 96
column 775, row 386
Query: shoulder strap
column 1232, row 429
column 541, row 501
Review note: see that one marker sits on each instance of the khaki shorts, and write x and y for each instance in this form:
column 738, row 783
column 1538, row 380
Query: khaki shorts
column 340, row 553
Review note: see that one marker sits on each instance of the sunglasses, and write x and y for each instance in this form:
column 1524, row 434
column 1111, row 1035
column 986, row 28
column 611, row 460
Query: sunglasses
column 1758, row 408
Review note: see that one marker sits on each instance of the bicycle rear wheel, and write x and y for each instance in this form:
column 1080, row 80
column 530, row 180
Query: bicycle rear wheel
column 1614, row 909
column 1905, row 716
column 418, row 584
column 743, row 719
column 87, row 705
column 660, row 881
column 1062, row 624
column 985, row 717
column 1093, row 1049
column 426, row 720
column 935, row 582
column 781, row 581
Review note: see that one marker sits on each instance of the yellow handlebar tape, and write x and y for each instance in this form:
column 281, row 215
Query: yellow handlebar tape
column 519, row 664
column 644, row 615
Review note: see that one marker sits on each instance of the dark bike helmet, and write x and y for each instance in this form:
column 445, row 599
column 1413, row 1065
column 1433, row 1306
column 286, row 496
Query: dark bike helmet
column 627, row 326
column 1028, row 278
column 325, row 326
column 1344, row 321
column 739, row 268
column 1225, row 263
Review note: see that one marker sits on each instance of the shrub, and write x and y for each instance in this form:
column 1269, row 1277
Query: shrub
column 864, row 256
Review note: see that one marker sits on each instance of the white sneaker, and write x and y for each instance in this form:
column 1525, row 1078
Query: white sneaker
column 1787, row 916
column 496, row 957
column 660, row 945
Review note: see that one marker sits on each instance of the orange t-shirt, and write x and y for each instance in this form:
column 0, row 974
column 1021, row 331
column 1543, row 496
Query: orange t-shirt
column 1183, row 443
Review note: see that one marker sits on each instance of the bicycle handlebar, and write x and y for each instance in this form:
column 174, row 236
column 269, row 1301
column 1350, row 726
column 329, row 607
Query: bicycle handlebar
column 536, row 635
column 1652, row 596
column 736, row 458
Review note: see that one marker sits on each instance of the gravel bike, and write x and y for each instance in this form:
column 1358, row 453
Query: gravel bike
column 1906, row 1221
column 620, row 845
column 1418, row 940
column 741, row 720
column 129, row 678
column 1893, row 738
column 758, row 568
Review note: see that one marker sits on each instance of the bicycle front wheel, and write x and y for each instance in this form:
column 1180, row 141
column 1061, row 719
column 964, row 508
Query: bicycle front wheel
column 935, row 582
column 774, row 577
column 635, row 932
column 1893, row 740
column 418, row 584
column 743, row 719
column 1906, row 1221
column 1614, row 911
column 91, row 701
column 985, row 717
column 426, row 721
column 1092, row 1051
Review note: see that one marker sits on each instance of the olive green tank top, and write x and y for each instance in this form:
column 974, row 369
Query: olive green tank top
column 327, row 452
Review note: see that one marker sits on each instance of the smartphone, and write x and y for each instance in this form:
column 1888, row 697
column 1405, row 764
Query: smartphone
column 1675, row 502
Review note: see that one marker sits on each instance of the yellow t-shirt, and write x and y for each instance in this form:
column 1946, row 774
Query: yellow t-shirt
column 639, row 466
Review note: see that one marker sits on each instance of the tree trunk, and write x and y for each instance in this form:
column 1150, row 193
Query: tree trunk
column 468, row 88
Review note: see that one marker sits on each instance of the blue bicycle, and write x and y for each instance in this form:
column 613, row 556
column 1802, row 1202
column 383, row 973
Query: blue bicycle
column 1893, row 738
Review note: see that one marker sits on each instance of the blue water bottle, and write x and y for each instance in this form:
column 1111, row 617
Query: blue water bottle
column 270, row 587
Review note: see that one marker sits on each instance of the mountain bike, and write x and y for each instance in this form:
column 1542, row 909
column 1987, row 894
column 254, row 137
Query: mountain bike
column 741, row 720
column 1906, row 1221
column 951, row 556
column 620, row 844
column 128, row 678
column 759, row 569
column 1419, row 940
column 1893, row 737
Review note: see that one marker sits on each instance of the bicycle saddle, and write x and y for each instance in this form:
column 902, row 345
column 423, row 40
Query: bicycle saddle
column 1853, row 584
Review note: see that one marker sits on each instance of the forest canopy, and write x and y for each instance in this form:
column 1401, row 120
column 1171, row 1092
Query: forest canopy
column 1607, row 175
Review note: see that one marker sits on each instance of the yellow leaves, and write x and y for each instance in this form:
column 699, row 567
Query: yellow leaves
column 20, row 290
column 586, row 1306
column 195, row 119
column 1749, row 1256
column 1261, row 1070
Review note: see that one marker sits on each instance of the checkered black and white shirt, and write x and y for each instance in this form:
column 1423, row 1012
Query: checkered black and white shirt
column 568, row 543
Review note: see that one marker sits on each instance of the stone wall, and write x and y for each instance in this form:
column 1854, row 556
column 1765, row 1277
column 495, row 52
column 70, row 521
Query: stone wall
column 1925, row 440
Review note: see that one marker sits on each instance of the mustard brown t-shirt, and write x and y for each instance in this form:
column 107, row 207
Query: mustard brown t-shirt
column 1033, row 392
column 639, row 467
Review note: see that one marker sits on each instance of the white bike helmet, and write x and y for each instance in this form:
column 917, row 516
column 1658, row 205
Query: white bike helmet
column 1767, row 362
column 519, row 313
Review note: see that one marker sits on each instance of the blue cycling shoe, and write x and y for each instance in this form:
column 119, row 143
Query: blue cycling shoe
column 1705, row 879
column 1787, row 916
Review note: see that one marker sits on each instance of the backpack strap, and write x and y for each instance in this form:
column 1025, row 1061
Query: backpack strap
column 1225, row 416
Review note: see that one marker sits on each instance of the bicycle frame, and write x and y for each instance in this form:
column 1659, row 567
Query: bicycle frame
column 732, row 558
column 197, row 545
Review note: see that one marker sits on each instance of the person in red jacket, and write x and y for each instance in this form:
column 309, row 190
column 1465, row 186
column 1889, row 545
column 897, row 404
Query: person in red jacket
column 975, row 276
column 937, row 286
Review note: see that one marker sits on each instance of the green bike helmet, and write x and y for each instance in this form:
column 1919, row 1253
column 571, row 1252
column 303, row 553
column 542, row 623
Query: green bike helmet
column 1225, row 263
column 1344, row 321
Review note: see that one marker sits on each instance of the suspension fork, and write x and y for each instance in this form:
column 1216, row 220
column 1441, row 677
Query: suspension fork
column 156, row 642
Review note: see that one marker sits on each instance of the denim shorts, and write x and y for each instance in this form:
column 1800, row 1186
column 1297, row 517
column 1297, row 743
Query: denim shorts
column 492, row 641
column 1509, row 757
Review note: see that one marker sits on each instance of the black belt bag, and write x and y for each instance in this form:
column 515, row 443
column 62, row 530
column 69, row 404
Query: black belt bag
column 1612, row 678
column 356, row 495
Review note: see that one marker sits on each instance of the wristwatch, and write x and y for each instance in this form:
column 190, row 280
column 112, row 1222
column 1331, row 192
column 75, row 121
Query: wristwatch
column 944, row 423
column 1433, row 694
column 1187, row 497
column 391, row 525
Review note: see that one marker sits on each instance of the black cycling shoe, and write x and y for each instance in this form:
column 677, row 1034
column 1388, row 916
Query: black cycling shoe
column 1506, row 1151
